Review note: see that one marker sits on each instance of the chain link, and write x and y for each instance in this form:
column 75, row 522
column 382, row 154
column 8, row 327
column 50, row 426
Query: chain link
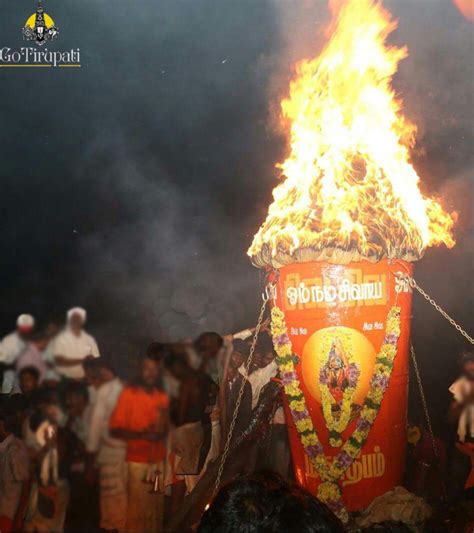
column 425, row 410
column 265, row 296
column 438, row 308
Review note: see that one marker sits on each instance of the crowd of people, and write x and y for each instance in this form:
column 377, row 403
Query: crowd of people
column 82, row 449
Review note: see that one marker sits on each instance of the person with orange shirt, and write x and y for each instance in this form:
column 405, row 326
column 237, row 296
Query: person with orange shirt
column 141, row 419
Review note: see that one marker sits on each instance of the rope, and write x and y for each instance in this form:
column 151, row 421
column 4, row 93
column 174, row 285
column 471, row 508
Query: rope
column 425, row 410
column 411, row 281
column 265, row 296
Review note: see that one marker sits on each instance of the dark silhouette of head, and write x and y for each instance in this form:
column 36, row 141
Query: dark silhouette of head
column 28, row 378
column 265, row 503
column 467, row 364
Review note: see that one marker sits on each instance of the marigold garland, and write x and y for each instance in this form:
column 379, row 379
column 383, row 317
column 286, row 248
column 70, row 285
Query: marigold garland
column 330, row 473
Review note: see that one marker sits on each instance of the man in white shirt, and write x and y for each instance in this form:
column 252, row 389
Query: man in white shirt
column 73, row 345
column 11, row 347
column 107, row 452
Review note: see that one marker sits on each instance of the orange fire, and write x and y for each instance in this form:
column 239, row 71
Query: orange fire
column 349, row 191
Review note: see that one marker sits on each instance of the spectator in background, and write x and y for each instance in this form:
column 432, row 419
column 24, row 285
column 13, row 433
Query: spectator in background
column 263, row 366
column 52, row 378
column 231, row 391
column 73, row 345
column 14, row 472
column 76, row 399
column 83, row 492
column 11, row 348
column 191, row 414
column 157, row 351
column 279, row 453
column 141, row 420
column 51, row 453
column 106, row 452
column 33, row 356
column 29, row 380
column 209, row 347
column 461, row 419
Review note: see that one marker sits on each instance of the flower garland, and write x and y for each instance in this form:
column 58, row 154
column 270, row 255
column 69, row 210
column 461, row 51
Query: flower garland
column 331, row 472
column 337, row 425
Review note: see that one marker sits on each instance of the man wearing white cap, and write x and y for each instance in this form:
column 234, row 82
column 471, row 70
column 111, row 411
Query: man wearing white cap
column 12, row 346
column 73, row 345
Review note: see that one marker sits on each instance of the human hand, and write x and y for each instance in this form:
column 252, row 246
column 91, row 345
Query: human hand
column 266, row 324
column 50, row 435
column 215, row 414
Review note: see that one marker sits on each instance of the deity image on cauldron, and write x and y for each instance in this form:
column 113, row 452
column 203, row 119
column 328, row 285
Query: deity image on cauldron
column 338, row 379
column 337, row 370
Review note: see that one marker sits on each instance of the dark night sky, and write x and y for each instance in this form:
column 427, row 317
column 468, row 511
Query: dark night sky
column 133, row 186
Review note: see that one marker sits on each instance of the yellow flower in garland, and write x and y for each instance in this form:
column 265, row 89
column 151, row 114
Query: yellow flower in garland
column 388, row 350
column 381, row 370
column 297, row 405
column 292, row 390
column 321, row 462
column 286, row 367
column 393, row 324
column 309, row 440
column 368, row 414
column 352, row 450
column 377, row 395
column 329, row 491
column 304, row 425
column 285, row 351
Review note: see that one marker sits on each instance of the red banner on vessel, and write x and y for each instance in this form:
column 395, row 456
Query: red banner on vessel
column 336, row 316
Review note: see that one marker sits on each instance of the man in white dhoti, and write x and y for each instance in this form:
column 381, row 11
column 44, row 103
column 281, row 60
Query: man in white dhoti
column 11, row 347
column 107, row 452
column 73, row 345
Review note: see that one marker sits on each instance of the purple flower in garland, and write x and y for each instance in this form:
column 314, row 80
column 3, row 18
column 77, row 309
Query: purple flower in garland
column 288, row 378
column 353, row 374
column 363, row 425
column 344, row 460
column 391, row 338
column 281, row 340
column 380, row 381
column 314, row 450
column 299, row 415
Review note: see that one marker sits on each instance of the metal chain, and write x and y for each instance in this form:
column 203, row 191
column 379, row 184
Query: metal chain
column 425, row 409
column 438, row 308
column 225, row 453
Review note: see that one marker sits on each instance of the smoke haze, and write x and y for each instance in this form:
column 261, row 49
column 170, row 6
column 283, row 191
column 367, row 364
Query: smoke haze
column 134, row 185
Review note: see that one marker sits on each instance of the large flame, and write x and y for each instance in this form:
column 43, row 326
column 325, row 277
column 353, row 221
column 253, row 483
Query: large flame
column 349, row 189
